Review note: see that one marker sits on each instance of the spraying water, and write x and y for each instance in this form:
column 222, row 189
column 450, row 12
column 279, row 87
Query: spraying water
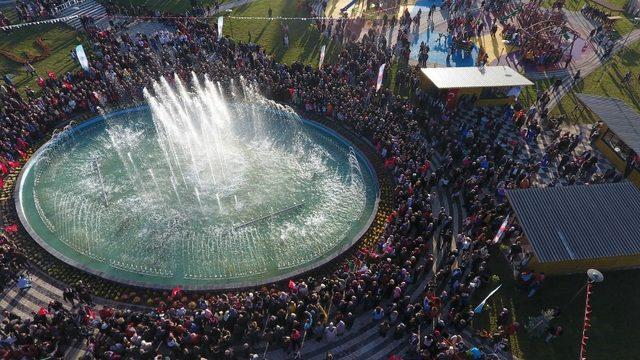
column 172, row 168
column 218, row 201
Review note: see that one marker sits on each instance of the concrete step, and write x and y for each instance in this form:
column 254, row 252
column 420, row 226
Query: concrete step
column 75, row 350
column 87, row 8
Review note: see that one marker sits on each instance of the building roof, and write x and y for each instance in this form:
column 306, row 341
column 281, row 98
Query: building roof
column 474, row 77
column 579, row 222
column 619, row 117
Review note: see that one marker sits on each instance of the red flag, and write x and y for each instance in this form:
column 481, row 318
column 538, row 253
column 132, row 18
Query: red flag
column 11, row 228
column 292, row 285
column 90, row 313
column 43, row 311
column 176, row 290
column 13, row 164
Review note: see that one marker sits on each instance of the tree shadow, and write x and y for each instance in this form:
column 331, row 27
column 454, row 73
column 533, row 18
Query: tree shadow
column 304, row 42
column 259, row 36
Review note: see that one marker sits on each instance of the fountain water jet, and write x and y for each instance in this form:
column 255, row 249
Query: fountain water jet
column 170, row 170
column 102, row 188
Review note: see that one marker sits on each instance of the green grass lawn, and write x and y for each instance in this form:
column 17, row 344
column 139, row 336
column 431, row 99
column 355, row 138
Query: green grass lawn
column 529, row 93
column 305, row 41
column 615, row 316
column 606, row 81
column 61, row 38
column 576, row 5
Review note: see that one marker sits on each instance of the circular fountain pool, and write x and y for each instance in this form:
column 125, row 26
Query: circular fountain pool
column 198, row 192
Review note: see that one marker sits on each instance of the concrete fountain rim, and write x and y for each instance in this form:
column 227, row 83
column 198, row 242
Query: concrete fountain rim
column 333, row 255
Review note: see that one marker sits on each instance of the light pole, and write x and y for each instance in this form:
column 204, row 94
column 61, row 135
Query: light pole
column 594, row 276
column 537, row 325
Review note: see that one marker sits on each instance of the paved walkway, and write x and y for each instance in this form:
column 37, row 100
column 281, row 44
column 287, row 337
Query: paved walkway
column 429, row 32
column 25, row 303
column 536, row 150
column 587, row 67
column 588, row 62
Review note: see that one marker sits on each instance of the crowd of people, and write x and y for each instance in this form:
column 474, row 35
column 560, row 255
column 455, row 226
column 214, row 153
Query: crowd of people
column 597, row 14
column 535, row 30
column 196, row 8
column 32, row 10
column 424, row 147
column 540, row 35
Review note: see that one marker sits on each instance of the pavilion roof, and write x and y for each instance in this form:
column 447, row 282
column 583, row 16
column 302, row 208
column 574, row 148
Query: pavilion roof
column 579, row 222
column 475, row 77
column 619, row 117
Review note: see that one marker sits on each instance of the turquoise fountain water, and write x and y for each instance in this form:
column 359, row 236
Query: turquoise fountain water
column 198, row 190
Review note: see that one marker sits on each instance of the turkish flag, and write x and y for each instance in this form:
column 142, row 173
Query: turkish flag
column 176, row 290
column 11, row 228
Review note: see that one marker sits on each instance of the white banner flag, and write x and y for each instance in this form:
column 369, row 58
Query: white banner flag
column 380, row 76
column 324, row 47
column 478, row 309
column 82, row 58
column 220, row 21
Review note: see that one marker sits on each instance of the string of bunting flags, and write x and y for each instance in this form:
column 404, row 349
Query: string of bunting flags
column 48, row 21
column 151, row 17
column 586, row 323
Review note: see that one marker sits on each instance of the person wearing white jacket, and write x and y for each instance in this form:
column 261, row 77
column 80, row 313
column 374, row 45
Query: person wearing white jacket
column 330, row 332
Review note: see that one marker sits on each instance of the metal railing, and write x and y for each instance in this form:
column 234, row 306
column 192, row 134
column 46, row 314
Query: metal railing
column 66, row 5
